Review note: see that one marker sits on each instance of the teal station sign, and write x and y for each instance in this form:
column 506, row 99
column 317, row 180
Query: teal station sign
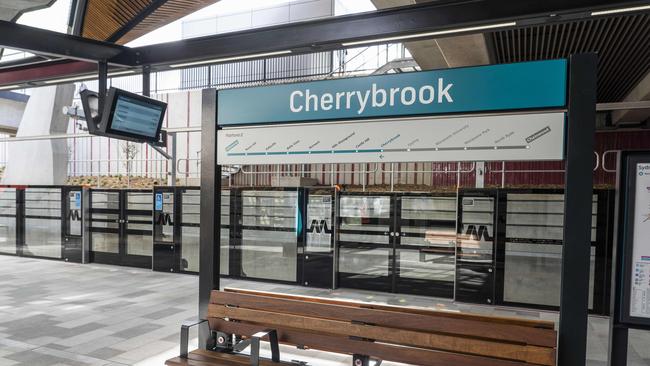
column 517, row 86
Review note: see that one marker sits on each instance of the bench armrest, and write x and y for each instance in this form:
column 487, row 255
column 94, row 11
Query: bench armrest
column 254, row 342
column 185, row 333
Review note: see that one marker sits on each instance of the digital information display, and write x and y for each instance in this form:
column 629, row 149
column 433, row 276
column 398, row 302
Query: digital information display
column 136, row 117
column 640, row 263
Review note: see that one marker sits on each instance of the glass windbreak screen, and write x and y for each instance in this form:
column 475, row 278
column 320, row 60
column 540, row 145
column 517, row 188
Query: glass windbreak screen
column 105, row 208
column 428, row 238
column 533, row 258
column 190, row 230
column 269, row 235
column 8, row 220
column 139, row 223
column 43, row 222
column 365, row 219
column 476, row 236
column 319, row 224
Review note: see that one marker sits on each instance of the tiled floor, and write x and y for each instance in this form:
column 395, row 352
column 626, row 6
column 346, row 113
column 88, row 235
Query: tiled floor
column 55, row 313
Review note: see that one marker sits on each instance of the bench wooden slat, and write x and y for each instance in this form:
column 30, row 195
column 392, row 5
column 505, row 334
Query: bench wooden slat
column 484, row 318
column 531, row 354
column 414, row 356
column 394, row 318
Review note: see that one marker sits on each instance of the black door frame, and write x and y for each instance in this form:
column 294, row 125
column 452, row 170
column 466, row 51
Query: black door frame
column 121, row 258
column 393, row 283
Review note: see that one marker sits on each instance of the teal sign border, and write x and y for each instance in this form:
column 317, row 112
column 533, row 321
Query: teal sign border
column 516, row 86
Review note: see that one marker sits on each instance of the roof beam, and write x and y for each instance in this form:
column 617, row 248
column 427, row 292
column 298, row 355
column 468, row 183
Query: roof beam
column 332, row 33
column 148, row 10
column 44, row 42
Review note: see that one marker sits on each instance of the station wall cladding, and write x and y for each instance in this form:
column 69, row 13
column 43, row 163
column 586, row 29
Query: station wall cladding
column 445, row 176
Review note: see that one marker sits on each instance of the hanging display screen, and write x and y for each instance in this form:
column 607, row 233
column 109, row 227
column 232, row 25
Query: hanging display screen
column 133, row 116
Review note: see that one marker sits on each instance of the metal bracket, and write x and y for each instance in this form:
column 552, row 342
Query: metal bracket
column 254, row 342
column 363, row 360
column 185, row 333
column 221, row 341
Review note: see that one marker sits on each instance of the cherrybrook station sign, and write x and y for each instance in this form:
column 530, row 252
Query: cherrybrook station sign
column 528, row 85
column 496, row 112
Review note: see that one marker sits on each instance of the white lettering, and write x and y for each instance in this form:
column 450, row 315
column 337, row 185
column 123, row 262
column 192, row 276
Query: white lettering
column 326, row 101
column 444, row 92
column 411, row 99
column 293, row 107
column 363, row 100
column 378, row 92
column 338, row 99
column 431, row 98
column 311, row 98
column 348, row 97
column 393, row 91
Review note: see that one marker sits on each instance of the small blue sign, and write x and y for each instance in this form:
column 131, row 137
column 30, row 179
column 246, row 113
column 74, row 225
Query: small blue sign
column 159, row 202
column 77, row 200
column 516, row 86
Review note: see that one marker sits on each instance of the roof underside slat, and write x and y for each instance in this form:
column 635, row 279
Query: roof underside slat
column 105, row 18
column 622, row 42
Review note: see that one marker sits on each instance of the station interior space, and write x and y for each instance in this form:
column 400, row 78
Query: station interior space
column 365, row 182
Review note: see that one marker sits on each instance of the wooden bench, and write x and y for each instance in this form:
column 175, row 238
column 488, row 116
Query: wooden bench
column 368, row 332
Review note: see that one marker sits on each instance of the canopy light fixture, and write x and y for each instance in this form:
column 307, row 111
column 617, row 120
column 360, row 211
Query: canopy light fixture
column 431, row 34
column 87, row 77
column 7, row 87
column 234, row 58
column 621, row 10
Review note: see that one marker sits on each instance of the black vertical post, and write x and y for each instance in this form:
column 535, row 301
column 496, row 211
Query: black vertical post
column 574, row 300
column 618, row 333
column 210, row 206
column 146, row 81
column 102, row 70
column 20, row 221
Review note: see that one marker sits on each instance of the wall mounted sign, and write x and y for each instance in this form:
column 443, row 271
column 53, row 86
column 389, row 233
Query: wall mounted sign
column 636, row 246
column 537, row 136
column 517, row 86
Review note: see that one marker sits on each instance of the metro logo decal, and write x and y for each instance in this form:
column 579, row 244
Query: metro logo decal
column 319, row 227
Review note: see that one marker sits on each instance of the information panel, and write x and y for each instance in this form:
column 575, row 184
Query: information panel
column 537, row 136
column 640, row 263
column 137, row 117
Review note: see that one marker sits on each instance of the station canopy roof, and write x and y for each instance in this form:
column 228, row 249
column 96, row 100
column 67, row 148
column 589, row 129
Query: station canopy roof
column 619, row 31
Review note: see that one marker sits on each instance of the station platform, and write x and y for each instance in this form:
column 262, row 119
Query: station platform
column 56, row 313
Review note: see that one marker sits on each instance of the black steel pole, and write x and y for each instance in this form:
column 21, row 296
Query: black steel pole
column 576, row 251
column 146, row 81
column 102, row 78
column 210, row 213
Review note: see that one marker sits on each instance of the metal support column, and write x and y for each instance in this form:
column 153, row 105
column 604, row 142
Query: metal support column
column 210, row 207
column 146, row 81
column 102, row 70
column 574, row 300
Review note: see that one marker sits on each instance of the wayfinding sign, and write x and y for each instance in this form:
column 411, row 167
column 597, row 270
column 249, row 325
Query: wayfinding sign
column 496, row 112
column 460, row 138
column 636, row 245
column 518, row 86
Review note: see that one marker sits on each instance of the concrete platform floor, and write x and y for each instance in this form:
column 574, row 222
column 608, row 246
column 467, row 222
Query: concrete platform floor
column 56, row 313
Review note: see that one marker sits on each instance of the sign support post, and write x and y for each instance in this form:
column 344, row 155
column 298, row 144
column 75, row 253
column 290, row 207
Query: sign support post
column 210, row 213
column 576, row 251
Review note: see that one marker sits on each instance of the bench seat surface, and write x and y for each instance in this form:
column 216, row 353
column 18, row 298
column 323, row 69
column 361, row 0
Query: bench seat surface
column 210, row 358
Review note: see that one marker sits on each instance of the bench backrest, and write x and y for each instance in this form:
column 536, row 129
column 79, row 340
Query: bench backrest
column 390, row 333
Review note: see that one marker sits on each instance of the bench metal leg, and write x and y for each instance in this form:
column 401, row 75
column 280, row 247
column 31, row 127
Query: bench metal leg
column 254, row 342
column 185, row 334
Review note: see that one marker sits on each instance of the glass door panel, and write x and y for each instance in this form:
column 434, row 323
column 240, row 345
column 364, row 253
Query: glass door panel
column 425, row 253
column 8, row 220
column 365, row 258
